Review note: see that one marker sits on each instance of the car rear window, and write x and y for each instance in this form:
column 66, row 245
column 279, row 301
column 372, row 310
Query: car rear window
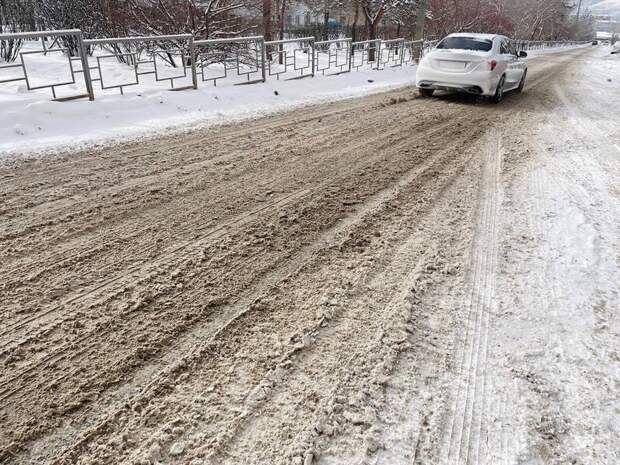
column 466, row 43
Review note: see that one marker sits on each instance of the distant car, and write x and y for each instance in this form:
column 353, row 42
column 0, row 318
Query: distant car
column 595, row 42
column 615, row 48
column 482, row 64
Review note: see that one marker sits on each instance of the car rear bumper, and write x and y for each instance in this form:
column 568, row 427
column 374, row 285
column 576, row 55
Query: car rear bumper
column 477, row 90
column 476, row 82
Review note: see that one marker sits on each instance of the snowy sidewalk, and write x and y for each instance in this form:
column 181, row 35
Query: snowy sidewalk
column 34, row 123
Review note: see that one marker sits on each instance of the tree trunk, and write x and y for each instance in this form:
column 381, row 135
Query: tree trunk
column 325, row 25
column 267, row 23
column 356, row 10
column 372, row 35
column 420, row 20
column 281, row 35
column 372, row 21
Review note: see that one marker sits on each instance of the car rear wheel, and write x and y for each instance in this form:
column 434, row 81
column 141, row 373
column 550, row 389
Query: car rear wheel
column 522, row 83
column 499, row 92
column 427, row 92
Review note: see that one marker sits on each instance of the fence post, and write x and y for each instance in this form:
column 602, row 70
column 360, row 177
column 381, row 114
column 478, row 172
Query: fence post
column 85, row 67
column 312, row 46
column 262, row 46
column 402, row 52
column 350, row 53
column 378, row 54
column 192, row 51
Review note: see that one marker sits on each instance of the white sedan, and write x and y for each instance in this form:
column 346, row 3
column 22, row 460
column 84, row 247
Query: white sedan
column 482, row 64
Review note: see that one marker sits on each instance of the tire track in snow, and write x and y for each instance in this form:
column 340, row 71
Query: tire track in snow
column 463, row 440
column 61, row 308
column 376, row 203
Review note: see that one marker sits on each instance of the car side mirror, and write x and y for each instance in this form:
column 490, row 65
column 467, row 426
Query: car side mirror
column 522, row 54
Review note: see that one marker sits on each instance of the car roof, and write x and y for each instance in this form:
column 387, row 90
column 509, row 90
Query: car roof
column 476, row 35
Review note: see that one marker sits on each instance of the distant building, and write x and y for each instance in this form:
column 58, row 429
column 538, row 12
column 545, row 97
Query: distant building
column 299, row 14
column 606, row 23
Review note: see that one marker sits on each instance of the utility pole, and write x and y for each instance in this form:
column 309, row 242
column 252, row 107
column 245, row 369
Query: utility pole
column 420, row 19
column 579, row 11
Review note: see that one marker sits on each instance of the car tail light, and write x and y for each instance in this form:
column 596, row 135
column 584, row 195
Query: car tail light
column 492, row 64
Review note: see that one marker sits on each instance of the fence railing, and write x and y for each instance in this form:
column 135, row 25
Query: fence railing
column 178, row 51
column 427, row 46
column 365, row 53
column 391, row 53
column 333, row 56
column 412, row 51
column 181, row 58
column 542, row 44
column 237, row 57
column 75, row 37
column 290, row 56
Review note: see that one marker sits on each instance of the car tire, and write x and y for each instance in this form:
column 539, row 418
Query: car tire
column 522, row 83
column 499, row 91
column 426, row 92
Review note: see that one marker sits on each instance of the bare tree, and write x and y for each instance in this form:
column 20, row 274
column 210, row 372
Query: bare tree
column 374, row 10
column 86, row 15
column 281, row 6
column 210, row 19
column 524, row 19
column 355, row 6
column 325, row 9
column 15, row 16
column 267, row 13
column 404, row 16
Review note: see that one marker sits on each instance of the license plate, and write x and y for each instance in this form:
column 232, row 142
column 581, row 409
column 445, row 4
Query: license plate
column 456, row 65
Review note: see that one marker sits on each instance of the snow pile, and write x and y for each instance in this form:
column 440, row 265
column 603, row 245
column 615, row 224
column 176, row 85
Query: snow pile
column 547, row 51
column 31, row 122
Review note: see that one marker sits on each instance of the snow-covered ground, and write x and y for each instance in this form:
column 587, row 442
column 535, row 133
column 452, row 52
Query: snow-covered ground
column 31, row 122
column 547, row 392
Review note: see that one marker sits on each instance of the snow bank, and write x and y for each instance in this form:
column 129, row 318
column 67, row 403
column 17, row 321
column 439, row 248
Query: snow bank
column 31, row 122
column 547, row 51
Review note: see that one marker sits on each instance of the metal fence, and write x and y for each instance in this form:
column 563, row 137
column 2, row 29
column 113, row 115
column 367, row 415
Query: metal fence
column 364, row 54
column 73, row 66
column 391, row 53
column 290, row 56
column 239, row 57
column 181, row 61
column 427, row 46
column 333, row 56
column 539, row 45
column 177, row 50
column 412, row 51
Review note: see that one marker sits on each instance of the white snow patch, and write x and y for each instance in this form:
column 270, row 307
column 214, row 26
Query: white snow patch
column 31, row 122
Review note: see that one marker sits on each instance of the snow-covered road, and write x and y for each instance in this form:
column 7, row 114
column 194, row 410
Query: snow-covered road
column 385, row 280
